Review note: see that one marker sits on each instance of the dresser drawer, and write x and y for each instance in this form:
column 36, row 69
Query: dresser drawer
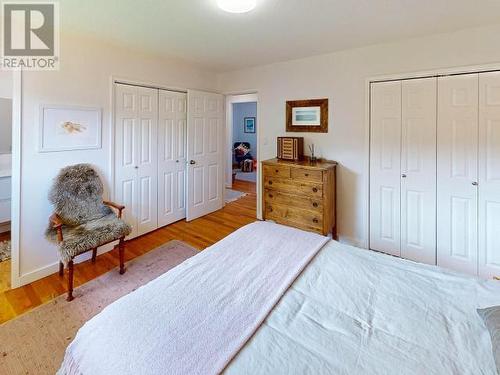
column 291, row 215
column 277, row 171
column 310, row 189
column 303, row 202
column 307, row 174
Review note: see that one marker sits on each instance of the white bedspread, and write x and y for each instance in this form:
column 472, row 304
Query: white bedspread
column 195, row 318
column 354, row 311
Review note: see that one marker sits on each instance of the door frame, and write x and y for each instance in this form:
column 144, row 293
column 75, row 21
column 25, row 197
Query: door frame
column 440, row 72
column 233, row 98
column 15, row 219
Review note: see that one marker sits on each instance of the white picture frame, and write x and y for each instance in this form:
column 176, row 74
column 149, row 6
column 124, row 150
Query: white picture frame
column 306, row 116
column 68, row 128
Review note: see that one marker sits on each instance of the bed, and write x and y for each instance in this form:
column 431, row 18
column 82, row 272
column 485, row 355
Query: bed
column 320, row 307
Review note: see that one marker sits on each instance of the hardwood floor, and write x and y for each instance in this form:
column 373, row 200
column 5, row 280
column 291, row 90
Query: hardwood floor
column 199, row 233
column 4, row 267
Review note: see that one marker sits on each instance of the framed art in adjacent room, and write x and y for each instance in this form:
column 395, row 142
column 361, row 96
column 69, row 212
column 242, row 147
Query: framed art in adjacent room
column 249, row 124
column 307, row 116
column 66, row 128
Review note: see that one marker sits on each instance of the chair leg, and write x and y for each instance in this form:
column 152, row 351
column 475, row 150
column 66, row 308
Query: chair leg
column 121, row 252
column 94, row 254
column 61, row 269
column 70, row 281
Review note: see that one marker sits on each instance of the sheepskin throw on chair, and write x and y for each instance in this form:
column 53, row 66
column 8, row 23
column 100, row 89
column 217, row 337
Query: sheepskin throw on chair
column 82, row 221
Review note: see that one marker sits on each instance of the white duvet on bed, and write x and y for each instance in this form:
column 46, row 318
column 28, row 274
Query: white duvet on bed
column 353, row 311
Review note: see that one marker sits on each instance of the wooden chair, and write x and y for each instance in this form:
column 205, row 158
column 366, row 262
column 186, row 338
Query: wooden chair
column 82, row 221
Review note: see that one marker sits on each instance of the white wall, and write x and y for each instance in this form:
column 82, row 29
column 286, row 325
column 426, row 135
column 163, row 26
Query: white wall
column 341, row 77
column 5, row 126
column 84, row 80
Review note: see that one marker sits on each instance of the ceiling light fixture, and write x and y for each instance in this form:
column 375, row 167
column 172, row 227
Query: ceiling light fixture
column 237, row 6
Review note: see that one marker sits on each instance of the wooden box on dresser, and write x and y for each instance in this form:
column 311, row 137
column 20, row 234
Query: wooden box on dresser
column 300, row 194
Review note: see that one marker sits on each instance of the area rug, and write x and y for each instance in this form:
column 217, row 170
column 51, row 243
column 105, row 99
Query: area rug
column 4, row 250
column 233, row 195
column 35, row 342
column 247, row 176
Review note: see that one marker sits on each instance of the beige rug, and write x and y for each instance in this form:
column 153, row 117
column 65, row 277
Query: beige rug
column 34, row 343
column 4, row 250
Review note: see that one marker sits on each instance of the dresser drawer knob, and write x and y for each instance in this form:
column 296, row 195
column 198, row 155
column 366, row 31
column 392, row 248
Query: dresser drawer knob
column 315, row 221
column 270, row 182
column 315, row 190
column 306, row 174
column 277, row 171
column 315, row 204
column 271, row 196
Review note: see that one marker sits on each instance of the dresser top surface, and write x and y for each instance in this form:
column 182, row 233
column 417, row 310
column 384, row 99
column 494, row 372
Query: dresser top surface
column 322, row 164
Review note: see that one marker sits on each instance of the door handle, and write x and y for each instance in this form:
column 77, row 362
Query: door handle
column 192, row 162
column 136, row 167
column 475, row 183
column 403, row 176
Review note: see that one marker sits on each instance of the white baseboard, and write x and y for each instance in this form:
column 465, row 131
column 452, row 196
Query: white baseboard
column 42, row 272
column 356, row 242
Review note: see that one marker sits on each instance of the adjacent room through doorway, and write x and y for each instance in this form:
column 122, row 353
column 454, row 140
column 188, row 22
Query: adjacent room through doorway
column 242, row 143
column 245, row 141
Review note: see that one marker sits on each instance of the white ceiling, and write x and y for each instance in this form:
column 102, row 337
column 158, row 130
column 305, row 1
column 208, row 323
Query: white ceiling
column 277, row 30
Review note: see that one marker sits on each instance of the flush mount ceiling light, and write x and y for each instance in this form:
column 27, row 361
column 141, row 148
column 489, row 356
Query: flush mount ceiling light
column 237, row 6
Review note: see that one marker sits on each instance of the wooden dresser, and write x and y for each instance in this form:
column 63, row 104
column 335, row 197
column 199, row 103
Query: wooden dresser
column 300, row 194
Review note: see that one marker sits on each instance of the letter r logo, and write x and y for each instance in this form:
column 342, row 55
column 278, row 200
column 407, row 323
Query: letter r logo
column 28, row 29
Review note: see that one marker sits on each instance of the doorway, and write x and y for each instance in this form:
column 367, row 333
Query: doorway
column 242, row 162
column 6, row 107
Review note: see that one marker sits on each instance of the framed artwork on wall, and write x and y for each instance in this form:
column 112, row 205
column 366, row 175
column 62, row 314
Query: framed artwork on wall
column 249, row 124
column 307, row 116
column 66, row 128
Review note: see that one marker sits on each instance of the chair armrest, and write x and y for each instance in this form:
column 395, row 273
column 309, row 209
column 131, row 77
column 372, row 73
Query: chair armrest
column 57, row 223
column 116, row 206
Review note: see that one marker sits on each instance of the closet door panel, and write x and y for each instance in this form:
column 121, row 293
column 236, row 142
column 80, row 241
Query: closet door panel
column 171, row 156
column 126, row 152
column 457, row 172
column 489, row 174
column 418, row 167
column 147, row 171
column 385, row 167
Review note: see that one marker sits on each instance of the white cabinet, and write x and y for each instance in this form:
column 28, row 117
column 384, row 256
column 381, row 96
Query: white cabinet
column 5, row 199
column 403, row 169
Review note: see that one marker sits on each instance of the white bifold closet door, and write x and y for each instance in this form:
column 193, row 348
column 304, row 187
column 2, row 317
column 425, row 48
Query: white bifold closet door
column 136, row 161
column 457, row 207
column 403, row 169
column 489, row 174
column 172, row 124
column 418, row 166
column 205, row 150
column 385, row 167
